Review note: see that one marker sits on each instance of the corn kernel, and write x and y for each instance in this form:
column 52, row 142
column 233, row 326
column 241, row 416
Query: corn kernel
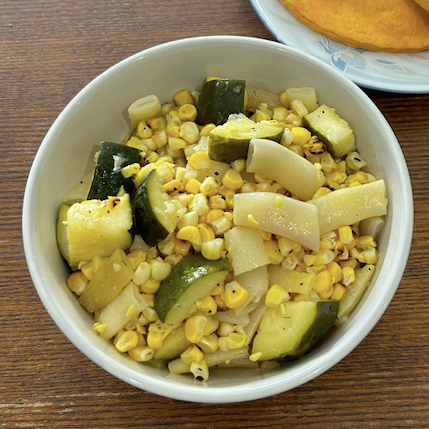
column 309, row 260
column 221, row 225
column 206, row 233
column 360, row 177
column 272, row 250
column 88, row 270
column 127, row 341
column 192, row 354
column 217, row 202
column 142, row 273
column 207, row 129
column 221, row 305
column 286, row 245
column 336, row 272
column 345, row 234
column 194, row 328
column 154, row 337
column 209, row 187
column 211, row 326
column 232, row 179
column 298, row 108
column 276, row 295
column 284, row 100
column 130, row 170
column 193, row 186
column 199, row 160
column 173, row 131
column 348, row 275
column 300, row 135
column 182, row 97
column 259, row 116
column 172, row 186
column 182, row 247
column 235, row 294
column 255, row 356
column 189, row 233
column 135, row 257
column 207, row 306
column 239, row 165
column 371, row 256
column 323, row 282
column 212, row 249
column 352, row 263
column 327, row 293
column 99, row 327
column 77, row 282
column 199, row 204
column 188, row 219
column 234, row 341
column 187, row 112
column 338, row 292
column 157, row 124
column 200, row 370
column 209, row 343
column 214, row 215
column 324, row 257
column 366, row 241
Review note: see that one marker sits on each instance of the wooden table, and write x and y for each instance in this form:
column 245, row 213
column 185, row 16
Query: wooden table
column 48, row 51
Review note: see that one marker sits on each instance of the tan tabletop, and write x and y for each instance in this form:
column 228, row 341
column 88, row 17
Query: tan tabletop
column 50, row 49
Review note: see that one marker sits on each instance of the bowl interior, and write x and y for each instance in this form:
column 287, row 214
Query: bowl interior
column 99, row 113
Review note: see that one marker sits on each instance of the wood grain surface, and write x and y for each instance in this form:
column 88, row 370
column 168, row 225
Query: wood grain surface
column 48, row 51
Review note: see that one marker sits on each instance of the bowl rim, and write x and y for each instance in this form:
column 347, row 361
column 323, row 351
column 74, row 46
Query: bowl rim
column 276, row 383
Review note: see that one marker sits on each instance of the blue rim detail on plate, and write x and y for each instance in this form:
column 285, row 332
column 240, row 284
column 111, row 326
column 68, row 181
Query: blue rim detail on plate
column 402, row 73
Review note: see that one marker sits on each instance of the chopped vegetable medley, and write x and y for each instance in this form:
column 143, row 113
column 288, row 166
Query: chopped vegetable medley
column 235, row 227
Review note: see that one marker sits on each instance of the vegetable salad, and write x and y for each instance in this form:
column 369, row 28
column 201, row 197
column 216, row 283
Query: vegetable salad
column 234, row 227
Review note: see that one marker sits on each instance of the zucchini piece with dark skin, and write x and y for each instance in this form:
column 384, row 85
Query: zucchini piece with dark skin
column 290, row 335
column 108, row 177
column 151, row 216
column 220, row 98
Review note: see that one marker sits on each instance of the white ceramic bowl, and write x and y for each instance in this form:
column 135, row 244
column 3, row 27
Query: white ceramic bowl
column 98, row 113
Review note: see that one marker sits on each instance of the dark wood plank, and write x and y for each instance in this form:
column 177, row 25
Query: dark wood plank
column 48, row 52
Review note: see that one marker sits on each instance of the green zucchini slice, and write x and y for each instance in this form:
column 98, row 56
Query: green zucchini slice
column 230, row 141
column 296, row 332
column 62, row 241
column 331, row 129
column 193, row 278
column 220, row 98
column 108, row 177
column 152, row 218
column 173, row 345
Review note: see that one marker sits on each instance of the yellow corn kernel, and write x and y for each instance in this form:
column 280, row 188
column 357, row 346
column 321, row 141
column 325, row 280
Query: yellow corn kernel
column 209, row 187
column 193, row 186
column 321, row 192
column 284, row 100
column 142, row 273
column 302, row 268
column 182, row 247
column 248, row 187
column 200, row 370
column 300, row 297
column 353, row 243
column 348, row 275
column 221, row 305
column 239, row 165
column 77, row 282
column 371, row 256
column 323, row 282
column 173, row 131
column 157, row 124
column 260, row 115
column 229, row 198
column 151, row 286
column 127, row 341
column 300, row 135
column 214, row 215
column 192, row 354
column 182, row 97
column 338, row 177
column 211, row 326
column 318, row 268
column 194, row 328
column 309, row 260
column 189, row 233
column 276, row 295
column 255, row 356
column 336, row 272
column 207, row 306
column 219, row 289
column 360, row 177
column 272, row 250
column 216, row 201
column 232, row 179
column 172, row 186
column 327, row 293
column 345, row 234
column 206, row 233
column 235, row 294
column 130, row 170
column 366, row 241
column 187, row 113
column 207, row 129
column 352, row 263
column 199, row 160
column 338, row 292
column 235, row 340
column 99, row 327
column 88, row 270
column 209, row 343
column 154, row 337
column 135, row 257
column 213, row 249
column 324, row 257
column 342, row 167
column 353, row 184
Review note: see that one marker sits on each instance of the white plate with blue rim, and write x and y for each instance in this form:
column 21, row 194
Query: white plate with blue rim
column 404, row 73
